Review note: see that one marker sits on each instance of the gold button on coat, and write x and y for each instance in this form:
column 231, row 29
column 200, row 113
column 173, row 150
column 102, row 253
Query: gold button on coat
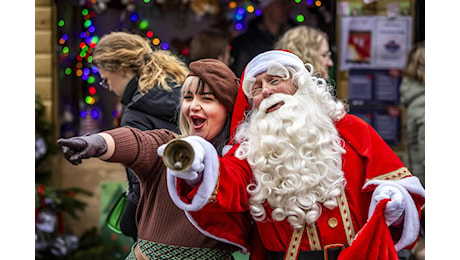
column 332, row 222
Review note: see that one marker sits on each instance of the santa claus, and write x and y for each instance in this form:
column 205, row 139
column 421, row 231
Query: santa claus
column 309, row 174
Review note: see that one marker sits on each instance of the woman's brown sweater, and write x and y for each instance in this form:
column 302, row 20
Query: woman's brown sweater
column 158, row 219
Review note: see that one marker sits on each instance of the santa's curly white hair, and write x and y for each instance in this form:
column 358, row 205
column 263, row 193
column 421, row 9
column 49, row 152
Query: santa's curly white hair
column 295, row 152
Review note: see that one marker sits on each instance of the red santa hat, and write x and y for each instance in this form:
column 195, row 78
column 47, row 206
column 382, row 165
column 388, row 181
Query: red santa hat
column 374, row 241
column 256, row 66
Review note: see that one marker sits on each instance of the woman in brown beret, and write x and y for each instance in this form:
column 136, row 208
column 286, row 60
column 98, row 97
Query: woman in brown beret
column 165, row 231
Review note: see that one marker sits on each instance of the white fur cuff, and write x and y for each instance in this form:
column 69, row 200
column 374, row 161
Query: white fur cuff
column 206, row 188
column 411, row 224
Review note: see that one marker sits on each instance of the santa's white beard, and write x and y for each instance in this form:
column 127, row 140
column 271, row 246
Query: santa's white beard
column 295, row 154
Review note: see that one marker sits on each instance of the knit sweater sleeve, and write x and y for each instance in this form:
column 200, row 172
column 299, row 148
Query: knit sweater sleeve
column 137, row 149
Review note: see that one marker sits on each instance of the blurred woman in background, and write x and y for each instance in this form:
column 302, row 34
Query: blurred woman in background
column 148, row 83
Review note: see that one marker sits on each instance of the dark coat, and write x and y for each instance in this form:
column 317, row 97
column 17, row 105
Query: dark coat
column 157, row 109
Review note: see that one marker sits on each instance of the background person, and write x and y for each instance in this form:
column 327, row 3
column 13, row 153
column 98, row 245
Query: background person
column 262, row 32
column 412, row 92
column 311, row 45
column 413, row 99
column 165, row 232
column 148, row 83
column 211, row 44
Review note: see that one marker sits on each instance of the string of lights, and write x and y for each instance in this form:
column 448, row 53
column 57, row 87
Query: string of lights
column 78, row 60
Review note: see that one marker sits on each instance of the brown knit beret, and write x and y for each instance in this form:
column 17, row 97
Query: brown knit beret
column 219, row 77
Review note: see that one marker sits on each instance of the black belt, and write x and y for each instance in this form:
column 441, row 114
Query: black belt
column 328, row 254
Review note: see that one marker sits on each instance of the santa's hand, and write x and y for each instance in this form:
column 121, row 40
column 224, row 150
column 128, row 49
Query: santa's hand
column 194, row 174
column 394, row 209
column 83, row 147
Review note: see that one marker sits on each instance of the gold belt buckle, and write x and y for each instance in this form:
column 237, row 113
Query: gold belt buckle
column 329, row 247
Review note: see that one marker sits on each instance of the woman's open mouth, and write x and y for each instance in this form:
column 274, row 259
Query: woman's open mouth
column 197, row 122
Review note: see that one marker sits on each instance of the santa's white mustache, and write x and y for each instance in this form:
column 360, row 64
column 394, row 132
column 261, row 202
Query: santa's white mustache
column 273, row 100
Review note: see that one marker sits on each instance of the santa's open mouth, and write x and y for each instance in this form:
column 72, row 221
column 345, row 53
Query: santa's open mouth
column 274, row 107
column 198, row 122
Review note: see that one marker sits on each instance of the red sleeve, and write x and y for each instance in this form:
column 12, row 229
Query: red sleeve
column 234, row 176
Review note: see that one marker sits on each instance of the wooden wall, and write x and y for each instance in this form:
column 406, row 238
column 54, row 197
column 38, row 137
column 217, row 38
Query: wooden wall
column 44, row 58
column 46, row 72
column 88, row 175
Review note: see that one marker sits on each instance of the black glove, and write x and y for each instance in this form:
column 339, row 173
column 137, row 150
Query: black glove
column 83, row 147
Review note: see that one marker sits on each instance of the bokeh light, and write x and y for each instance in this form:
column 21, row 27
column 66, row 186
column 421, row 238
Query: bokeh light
column 238, row 26
column 232, row 4
column 91, row 79
column 143, row 25
column 89, row 100
column 133, row 17
column 300, row 18
column 95, row 114
column 92, row 90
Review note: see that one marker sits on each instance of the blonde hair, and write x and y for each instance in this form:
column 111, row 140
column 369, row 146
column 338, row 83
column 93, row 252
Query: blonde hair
column 415, row 65
column 304, row 41
column 122, row 50
column 184, row 125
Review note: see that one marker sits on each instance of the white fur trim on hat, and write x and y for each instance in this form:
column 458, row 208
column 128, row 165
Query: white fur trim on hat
column 206, row 188
column 263, row 61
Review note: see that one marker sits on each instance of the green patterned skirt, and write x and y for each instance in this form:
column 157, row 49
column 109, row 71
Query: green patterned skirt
column 168, row 252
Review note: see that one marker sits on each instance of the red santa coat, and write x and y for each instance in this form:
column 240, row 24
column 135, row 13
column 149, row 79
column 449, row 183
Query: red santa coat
column 367, row 158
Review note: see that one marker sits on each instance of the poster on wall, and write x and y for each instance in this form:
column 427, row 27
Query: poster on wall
column 374, row 86
column 375, row 42
column 393, row 42
column 356, row 42
column 385, row 120
column 373, row 95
